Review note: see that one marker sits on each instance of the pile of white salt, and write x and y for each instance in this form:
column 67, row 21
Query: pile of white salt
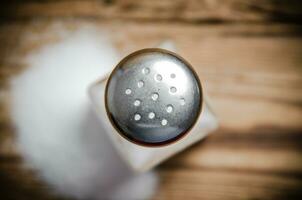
column 58, row 133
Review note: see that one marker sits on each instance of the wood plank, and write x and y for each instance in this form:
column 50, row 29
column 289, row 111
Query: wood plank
column 204, row 184
column 259, row 151
column 253, row 75
column 171, row 10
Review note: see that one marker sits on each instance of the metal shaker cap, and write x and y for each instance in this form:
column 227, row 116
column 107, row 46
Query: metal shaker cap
column 153, row 97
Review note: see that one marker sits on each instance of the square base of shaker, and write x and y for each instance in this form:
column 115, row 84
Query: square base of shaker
column 141, row 158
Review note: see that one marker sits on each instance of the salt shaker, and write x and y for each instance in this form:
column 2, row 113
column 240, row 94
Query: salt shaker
column 152, row 106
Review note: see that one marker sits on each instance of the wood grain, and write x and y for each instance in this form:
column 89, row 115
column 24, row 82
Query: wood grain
column 190, row 11
column 200, row 184
column 252, row 72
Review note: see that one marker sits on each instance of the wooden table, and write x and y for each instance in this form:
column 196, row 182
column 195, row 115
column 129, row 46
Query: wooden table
column 249, row 57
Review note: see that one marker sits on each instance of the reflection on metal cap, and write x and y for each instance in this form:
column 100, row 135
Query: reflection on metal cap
column 153, row 97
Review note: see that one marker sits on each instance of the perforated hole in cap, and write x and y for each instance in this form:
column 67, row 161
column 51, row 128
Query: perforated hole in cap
column 137, row 102
column 140, row 84
column 137, row 117
column 158, row 77
column 169, row 108
column 128, row 91
column 146, row 70
column 173, row 90
column 154, row 96
column 151, row 115
column 164, row 122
